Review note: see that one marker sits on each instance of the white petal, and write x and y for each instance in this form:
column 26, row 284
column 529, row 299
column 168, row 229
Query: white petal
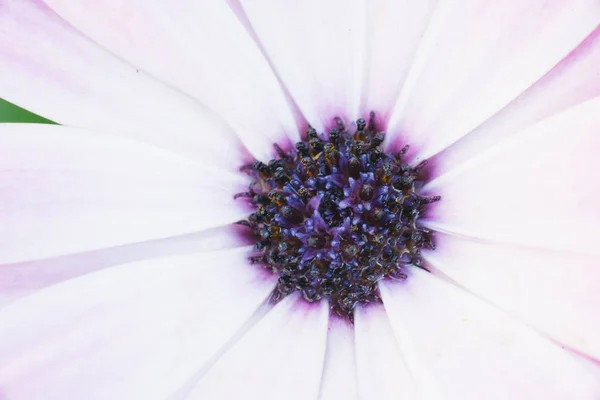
column 466, row 349
column 280, row 358
column 48, row 68
column 556, row 293
column 24, row 278
column 65, row 190
column 573, row 81
column 537, row 188
column 136, row 331
column 339, row 371
column 381, row 370
column 200, row 48
column 317, row 48
column 476, row 57
column 394, row 32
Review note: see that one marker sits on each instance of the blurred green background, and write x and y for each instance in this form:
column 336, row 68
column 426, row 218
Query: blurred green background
column 11, row 113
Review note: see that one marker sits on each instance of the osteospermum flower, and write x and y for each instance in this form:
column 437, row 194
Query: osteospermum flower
column 229, row 209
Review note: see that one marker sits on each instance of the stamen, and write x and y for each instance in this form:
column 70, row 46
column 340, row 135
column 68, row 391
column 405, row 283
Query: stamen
column 334, row 216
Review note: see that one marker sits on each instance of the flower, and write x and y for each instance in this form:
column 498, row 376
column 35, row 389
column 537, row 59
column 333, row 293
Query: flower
column 122, row 276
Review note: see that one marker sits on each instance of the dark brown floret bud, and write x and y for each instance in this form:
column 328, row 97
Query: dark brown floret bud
column 366, row 192
column 291, row 214
column 316, row 242
column 354, row 167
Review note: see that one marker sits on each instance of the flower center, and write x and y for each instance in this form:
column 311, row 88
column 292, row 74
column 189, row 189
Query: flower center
column 335, row 215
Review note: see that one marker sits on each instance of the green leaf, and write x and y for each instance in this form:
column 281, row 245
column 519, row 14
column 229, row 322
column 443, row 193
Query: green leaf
column 12, row 113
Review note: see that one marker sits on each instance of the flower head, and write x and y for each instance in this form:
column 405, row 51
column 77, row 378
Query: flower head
column 220, row 216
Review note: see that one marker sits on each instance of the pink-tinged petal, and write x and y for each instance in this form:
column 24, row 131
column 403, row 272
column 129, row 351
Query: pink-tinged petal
column 23, row 278
column 64, row 190
column 281, row 357
column 339, row 371
column 317, row 49
column 135, row 331
column 556, row 293
column 467, row 349
column 394, row 32
column 381, row 370
column 49, row 68
column 200, row 48
column 536, row 189
column 574, row 80
column 478, row 56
